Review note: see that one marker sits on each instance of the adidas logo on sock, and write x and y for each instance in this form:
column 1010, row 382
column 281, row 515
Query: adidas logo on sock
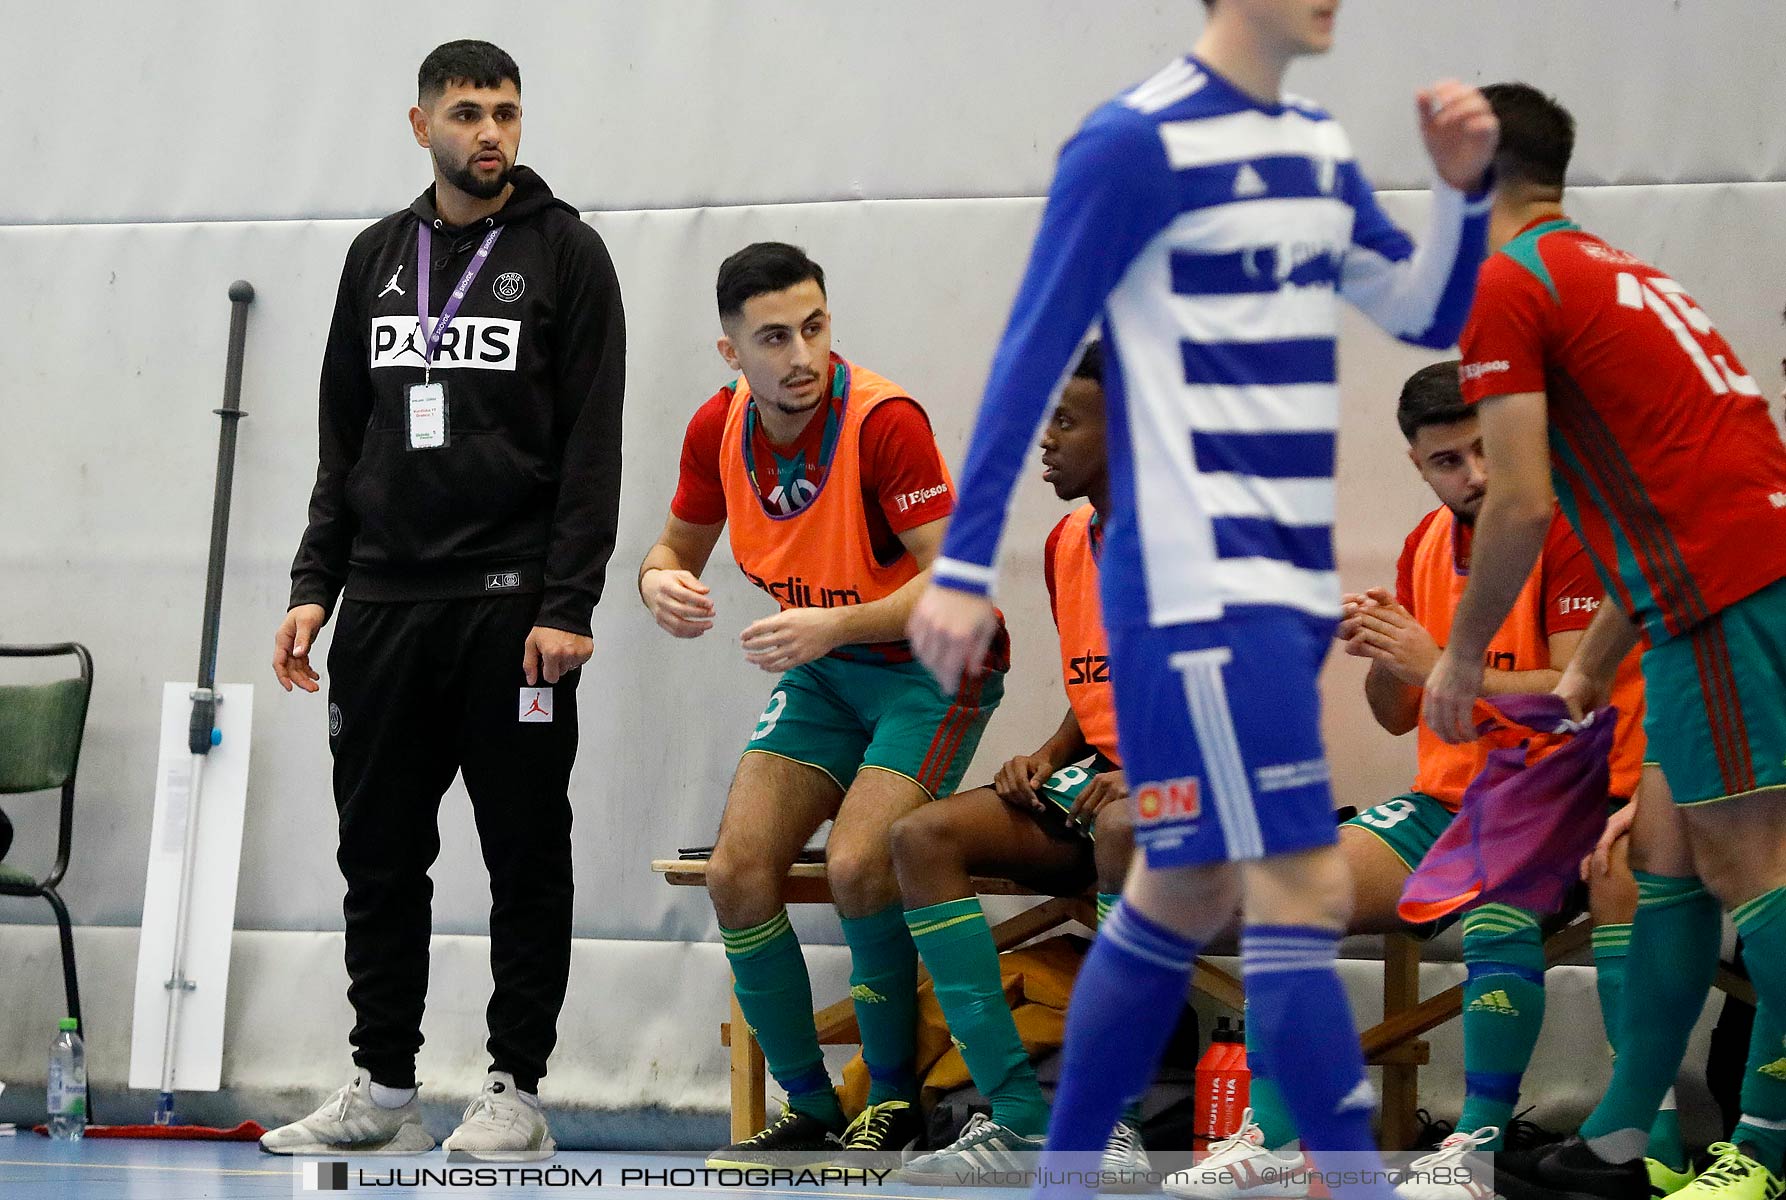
column 1496, row 1002
column 866, row 995
column 1773, row 1070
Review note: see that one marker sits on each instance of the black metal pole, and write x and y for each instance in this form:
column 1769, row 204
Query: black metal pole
column 204, row 702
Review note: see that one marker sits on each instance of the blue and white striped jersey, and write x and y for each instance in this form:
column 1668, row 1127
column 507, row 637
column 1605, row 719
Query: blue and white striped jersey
column 1213, row 234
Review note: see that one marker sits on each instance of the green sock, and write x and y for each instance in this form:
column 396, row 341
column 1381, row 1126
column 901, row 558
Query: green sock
column 956, row 945
column 1612, row 946
column 1270, row 1113
column 775, row 992
column 1503, row 1012
column 1763, row 1125
column 1666, row 1146
column 884, row 986
column 1106, row 902
column 1672, row 959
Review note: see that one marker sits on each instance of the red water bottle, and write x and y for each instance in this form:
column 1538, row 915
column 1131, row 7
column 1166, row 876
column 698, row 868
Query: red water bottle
column 1212, row 1072
column 1236, row 1081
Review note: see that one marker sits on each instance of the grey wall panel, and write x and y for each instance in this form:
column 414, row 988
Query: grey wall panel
column 206, row 110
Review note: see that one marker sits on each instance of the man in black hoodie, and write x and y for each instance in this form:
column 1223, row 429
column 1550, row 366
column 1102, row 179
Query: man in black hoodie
column 464, row 511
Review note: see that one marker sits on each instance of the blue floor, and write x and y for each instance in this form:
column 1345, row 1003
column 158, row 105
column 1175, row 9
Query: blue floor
column 35, row 1168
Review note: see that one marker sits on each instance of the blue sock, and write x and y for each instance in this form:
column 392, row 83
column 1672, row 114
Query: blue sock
column 1125, row 1004
column 1303, row 1024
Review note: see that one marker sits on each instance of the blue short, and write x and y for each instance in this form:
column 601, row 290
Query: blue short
column 1219, row 724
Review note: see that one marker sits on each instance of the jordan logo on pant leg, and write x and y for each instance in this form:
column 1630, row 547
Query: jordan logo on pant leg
column 536, row 706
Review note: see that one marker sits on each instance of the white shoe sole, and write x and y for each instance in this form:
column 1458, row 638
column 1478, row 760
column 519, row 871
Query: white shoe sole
column 456, row 1154
column 1195, row 1189
column 410, row 1139
column 1133, row 1179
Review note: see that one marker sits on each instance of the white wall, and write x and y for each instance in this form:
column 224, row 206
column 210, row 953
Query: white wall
column 159, row 150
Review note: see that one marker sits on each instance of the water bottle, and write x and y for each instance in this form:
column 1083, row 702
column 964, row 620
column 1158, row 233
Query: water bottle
column 1207, row 1088
column 68, row 1083
column 1237, row 1080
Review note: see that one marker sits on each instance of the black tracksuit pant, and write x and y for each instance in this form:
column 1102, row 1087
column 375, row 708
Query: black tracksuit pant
column 417, row 692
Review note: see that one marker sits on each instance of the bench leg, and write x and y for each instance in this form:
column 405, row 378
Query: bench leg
column 1401, row 1081
column 749, row 1081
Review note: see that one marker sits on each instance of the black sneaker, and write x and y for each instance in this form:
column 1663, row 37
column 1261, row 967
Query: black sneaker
column 1523, row 1135
column 1433, row 1132
column 880, row 1135
column 1569, row 1170
column 791, row 1140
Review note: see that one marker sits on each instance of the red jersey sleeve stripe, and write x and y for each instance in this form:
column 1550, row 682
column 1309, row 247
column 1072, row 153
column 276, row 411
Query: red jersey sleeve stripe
column 1677, row 598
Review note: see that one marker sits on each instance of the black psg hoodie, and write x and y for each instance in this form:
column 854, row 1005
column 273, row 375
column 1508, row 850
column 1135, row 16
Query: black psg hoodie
column 525, row 496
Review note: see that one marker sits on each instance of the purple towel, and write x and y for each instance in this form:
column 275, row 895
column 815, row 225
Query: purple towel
column 1527, row 820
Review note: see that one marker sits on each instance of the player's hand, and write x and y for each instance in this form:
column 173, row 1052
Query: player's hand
column 1351, row 604
column 1451, row 691
column 1581, row 692
column 678, row 601
column 1617, row 826
column 1389, row 634
column 1106, row 787
column 291, row 647
column 1460, row 131
column 554, row 653
column 788, row 639
column 1017, row 781
column 950, row 632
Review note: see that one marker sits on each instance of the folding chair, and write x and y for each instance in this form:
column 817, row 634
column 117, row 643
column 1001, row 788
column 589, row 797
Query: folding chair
column 40, row 746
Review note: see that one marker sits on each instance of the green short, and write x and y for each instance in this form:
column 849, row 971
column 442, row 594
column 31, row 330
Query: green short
column 842, row 716
column 1063, row 788
column 1715, row 701
column 1408, row 825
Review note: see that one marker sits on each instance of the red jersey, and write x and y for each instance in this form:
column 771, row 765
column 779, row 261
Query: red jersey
column 809, row 548
column 904, row 482
column 1662, row 450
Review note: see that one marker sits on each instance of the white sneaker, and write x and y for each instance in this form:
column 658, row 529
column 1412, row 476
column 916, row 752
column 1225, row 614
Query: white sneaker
column 984, row 1147
column 1125, row 1163
column 350, row 1123
column 1240, row 1166
column 1465, row 1176
column 499, row 1126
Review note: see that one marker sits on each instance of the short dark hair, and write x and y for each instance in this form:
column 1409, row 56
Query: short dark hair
column 1537, row 136
column 1091, row 363
column 761, row 268
column 481, row 64
column 1431, row 396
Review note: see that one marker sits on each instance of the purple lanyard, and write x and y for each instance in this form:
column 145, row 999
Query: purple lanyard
column 424, row 242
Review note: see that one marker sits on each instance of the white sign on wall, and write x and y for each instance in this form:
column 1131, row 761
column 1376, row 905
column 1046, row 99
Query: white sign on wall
column 198, row 1046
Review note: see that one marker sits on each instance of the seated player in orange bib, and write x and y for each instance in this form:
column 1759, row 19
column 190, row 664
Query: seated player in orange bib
column 1402, row 634
column 1056, row 818
column 835, row 492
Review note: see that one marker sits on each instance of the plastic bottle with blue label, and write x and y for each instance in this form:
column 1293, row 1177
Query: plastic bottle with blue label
column 68, row 1083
